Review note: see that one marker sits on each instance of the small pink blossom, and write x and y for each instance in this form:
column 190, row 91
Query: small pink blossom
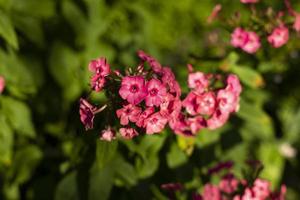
column 279, row 195
column 279, row 37
column 156, row 92
column 196, row 123
column 97, row 82
column 239, row 37
column 190, row 103
column 155, row 123
column 100, row 67
column 154, row 64
column 227, row 101
column 180, row 125
column 249, row 1
column 108, row 134
column 133, row 89
column 252, row 44
column 211, row 192
column 167, row 75
column 128, row 113
column 228, row 184
column 296, row 25
column 128, row 133
column 206, row 103
column 170, row 106
column 198, row 81
column 86, row 111
column 2, row 84
column 144, row 115
column 233, row 84
column 217, row 120
column 261, row 188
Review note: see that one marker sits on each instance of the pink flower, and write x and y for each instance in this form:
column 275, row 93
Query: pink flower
column 156, row 66
column 128, row 113
column 170, row 106
column 86, row 111
column 100, row 67
column 249, row 1
column 196, row 123
column 97, row 82
column 133, row 89
column 198, row 81
column 252, row 44
column 233, row 84
column 217, row 120
column 206, row 103
column 2, row 84
column 216, row 10
column 155, row 123
column 211, row 192
column 145, row 114
column 279, row 36
column 239, row 37
column 108, row 134
column 167, row 75
column 128, row 133
column 180, row 125
column 190, row 103
column 227, row 101
column 296, row 25
column 228, row 184
column 261, row 188
column 156, row 92
column 279, row 195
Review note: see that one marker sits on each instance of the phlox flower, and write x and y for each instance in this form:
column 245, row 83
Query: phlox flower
column 239, row 37
column 156, row 92
column 217, row 120
column 2, row 84
column 86, row 111
column 108, row 134
column 128, row 133
column 128, row 113
column 252, row 44
column 155, row 123
column 100, row 67
column 144, row 115
column 296, row 24
column 190, row 103
column 154, row 64
column 198, row 81
column 206, row 103
column 279, row 37
column 227, row 101
column 211, row 192
column 133, row 89
column 97, row 82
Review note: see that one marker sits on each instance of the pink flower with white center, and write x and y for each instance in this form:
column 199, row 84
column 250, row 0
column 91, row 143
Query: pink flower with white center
column 2, row 84
column 87, row 113
column 144, row 115
column 156, row 92
column 296, row 25
column 97, row 82
column 100, row 67
column 196, row 123
column 239, row 37
column 198, row 81
column 279, row 37
column 156, row 66
column 261, row 188
column 206, row 103
column 128, row 133
column 227, row 101
column 128, row 113
column 211, row 192
column 233, row 84
column 217, row 120
column 108, row 134
column 133, row 89
column 190, row 103
column 155, row 123
column 252, row 44
column 249, row 1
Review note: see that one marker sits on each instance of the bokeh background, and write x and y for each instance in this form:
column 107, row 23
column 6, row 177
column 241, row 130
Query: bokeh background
column 45, row 47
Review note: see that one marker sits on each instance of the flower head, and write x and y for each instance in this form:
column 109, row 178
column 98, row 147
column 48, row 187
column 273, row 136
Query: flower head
column 154, row 64
column 217, row 120
column 100, row 67
column 108, row 134
column 97, row 82
column 206, row 103
column 144, row 115
column 279, row 36
column 128, row 113
column 156, row 92
column 252, row 44
column 128, row 133
column 198, row 81
column 133, row 89
column 239, row 37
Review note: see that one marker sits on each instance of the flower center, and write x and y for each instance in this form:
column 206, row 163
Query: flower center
column 153, row 121
column 153, row 92
column 134, row 88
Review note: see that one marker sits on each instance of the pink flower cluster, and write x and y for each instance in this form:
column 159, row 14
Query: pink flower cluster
column 230, row 186
column 249, row 41
column 149, row 100
column 2, row 84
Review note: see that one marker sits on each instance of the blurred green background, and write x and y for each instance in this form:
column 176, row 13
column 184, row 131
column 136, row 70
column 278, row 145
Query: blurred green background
column 45, row 47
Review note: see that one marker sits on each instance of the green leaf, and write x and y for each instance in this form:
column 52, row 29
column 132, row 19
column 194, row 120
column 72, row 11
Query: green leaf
column 106, row 151
column 176, row 157
column 67, row 188
column 248, row 76
column 25, row 162
column 273, row 162
column 125, row 171
column 146, row 167
column 7, row 30
column 19, row 116
column 6, row 141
